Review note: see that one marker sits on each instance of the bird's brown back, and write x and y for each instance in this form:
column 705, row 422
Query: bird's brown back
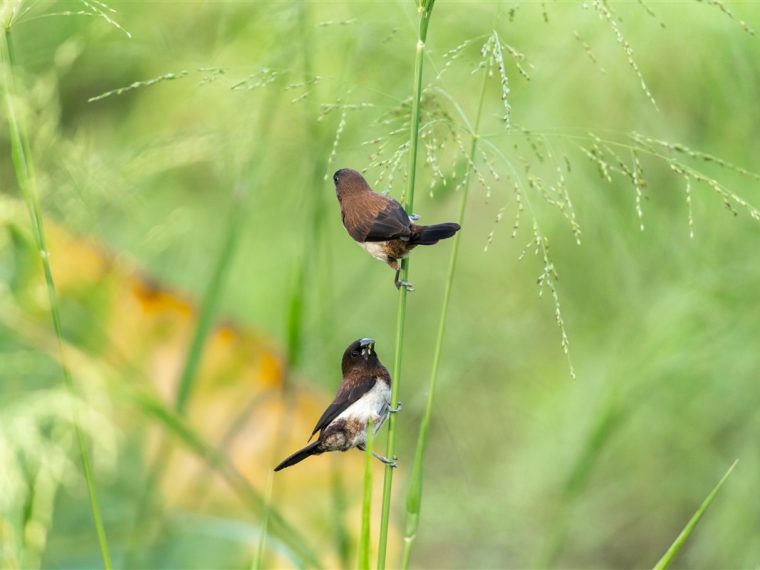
column 367, row 215
column 363, row 210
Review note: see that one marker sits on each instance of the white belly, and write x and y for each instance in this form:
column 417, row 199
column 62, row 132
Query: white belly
column 371, row 406
column 376, row 249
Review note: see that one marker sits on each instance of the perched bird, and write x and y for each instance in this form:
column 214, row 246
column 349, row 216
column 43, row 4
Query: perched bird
column 380, row 224
column 363, row 395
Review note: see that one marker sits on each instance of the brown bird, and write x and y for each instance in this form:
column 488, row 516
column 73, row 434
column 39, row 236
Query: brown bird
column 380, row 225
column 363, row 395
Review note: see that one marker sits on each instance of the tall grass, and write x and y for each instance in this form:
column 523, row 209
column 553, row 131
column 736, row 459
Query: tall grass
column 414, row 494
column 617, row 156
column 24, row 169
column 424, row 12
column 307, row 261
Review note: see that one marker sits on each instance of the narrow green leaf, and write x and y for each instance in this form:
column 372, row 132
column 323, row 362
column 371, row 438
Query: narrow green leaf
column 678, row 543
column 176, row 425
column 210, row 300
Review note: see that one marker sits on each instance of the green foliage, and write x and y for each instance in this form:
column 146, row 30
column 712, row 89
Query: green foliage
column 596, row 124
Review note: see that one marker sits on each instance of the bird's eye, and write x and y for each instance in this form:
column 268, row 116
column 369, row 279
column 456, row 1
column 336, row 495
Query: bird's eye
column 335, row 177
column 356, row 354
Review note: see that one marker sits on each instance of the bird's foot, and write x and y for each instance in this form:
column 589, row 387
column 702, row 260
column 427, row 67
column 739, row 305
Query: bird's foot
column 405, row 284
column 390, row 462
column 397, row 409
column 414, row 217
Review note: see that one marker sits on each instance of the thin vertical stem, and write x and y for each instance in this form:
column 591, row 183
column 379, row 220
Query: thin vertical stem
column 364, row 536
column 22, row 163
column 312, row 239
column 425, row 8
column 258, row 561
column 211, row 298
column 414, row 496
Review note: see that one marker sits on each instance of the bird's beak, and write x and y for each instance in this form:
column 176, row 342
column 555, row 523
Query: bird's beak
column 368, row 346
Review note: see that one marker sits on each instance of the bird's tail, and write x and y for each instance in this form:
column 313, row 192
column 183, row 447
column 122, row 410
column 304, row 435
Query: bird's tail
column 429, row 235
column 300, row 455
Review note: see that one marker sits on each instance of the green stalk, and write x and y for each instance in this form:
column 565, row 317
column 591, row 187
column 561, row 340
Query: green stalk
column 367, row 502
column 341, row 534
column 424, row 10
column 207, row 311
column 312, row 239
column 258, row 561
column 672, row 552
column 22, row 163
column 414, row 496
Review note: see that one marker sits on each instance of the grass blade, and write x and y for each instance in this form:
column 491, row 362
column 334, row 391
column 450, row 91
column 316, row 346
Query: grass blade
column 414, row 495
column 341, row 534
column 210, row 300
column 367, row 501
column 678, row 543
column 174, row 423
column 23, row 166
column 258, row 561
column 425, row 9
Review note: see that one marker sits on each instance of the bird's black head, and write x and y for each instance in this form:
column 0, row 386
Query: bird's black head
column 349, row 181
column 360, row 355
column 337, row 175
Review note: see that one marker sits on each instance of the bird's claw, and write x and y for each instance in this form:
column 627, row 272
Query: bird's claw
column 406, row 285
column 389, row 462
column 414, row 217
column 397, row 409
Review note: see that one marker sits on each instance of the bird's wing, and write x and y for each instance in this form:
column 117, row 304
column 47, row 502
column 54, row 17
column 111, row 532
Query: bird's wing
column 391, row 222
column 347, row 395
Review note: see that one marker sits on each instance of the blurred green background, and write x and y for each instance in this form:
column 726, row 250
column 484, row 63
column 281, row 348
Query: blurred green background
column 526, row 467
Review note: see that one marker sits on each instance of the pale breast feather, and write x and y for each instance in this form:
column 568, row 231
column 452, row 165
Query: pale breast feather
column 372, row 405
column 376, row 249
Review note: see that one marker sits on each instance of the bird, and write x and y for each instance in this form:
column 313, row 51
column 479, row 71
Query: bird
column 381, row 225
column 364, row 395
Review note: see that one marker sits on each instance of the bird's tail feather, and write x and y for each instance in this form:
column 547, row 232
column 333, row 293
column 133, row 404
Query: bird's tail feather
column 299, row 456
column 429, row 235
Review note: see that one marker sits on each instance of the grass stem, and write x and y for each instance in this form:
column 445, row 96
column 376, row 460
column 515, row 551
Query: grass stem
column 23, row 166
column 364, row 536
column 414, row 495
column 258, row 561
column 210, row 301
column 425, row 9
